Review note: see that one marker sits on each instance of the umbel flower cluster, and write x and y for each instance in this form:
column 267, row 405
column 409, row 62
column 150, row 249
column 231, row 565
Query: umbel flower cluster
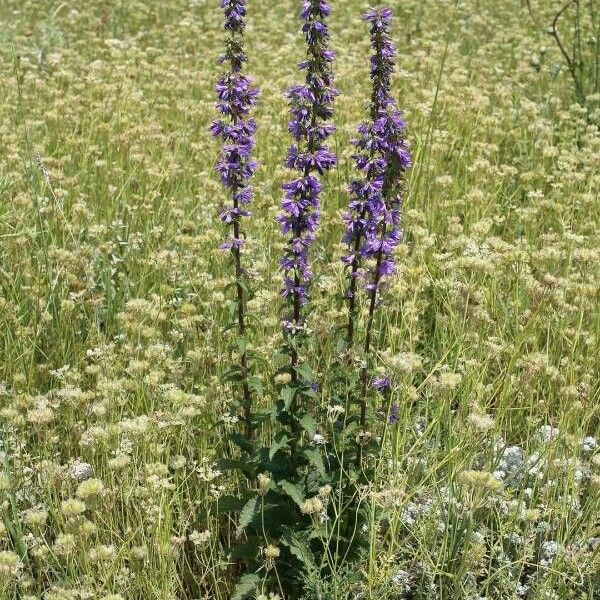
column 289, row 471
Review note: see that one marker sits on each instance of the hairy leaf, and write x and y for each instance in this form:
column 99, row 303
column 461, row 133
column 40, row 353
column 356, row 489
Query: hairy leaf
column 229, row 504
column 247, row 514
column 287, row 395
column 300, row 548
column 293, row 491
column 309, row 424
column 256, row 384
column 246, row 585
column 242, row 441
column 281, row 441
column 248, row 550
column 232, row 464
column 304, row 372
column 316, row 460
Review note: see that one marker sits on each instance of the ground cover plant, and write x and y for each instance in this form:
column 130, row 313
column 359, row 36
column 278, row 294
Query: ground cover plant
column 199, row 402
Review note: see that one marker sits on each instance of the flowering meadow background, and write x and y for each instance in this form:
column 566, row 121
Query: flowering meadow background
column 115, row 301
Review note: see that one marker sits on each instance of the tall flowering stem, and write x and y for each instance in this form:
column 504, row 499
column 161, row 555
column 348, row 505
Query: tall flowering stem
column 373, row 228
column 310, row 108
column 235, row 166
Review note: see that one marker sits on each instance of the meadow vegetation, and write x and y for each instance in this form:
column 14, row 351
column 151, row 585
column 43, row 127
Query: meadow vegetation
column 114, row 304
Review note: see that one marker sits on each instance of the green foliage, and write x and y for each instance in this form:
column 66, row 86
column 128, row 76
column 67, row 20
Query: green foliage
column 114, row 324
column 293, row 491
column 247, row 514
column 246, row 585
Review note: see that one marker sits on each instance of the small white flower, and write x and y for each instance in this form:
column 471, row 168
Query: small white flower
column 335, row 411
column 318, row 439
column 199, row 538
column 401, row 579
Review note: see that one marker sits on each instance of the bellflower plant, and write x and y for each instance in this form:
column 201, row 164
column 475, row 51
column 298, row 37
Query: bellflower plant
column 235, row 166
column 290, row 497
column 373, row 220
column 310, row 108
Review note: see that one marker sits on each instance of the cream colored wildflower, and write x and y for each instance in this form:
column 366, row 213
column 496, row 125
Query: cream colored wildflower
column 282, row 378
column 64, row 544
column 89, row 488
column 335, row 411
column 325, row 491
column 199, row 538
column 140, row 552
column 35, row 518
column 102, row 553
column 403, row 362
column 264, row 481
column 119, row 462
column 481, row 421
column 73, row 507
column 448, row 381
column 10, row 564
column 480, row 480
column 312, row 506
column 272, row 552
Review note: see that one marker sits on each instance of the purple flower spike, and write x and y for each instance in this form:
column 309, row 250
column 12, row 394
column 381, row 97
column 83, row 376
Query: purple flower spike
column 236, row 96
column 373, row 218
column 383, row 155
column 235, row 166
column 310, row 109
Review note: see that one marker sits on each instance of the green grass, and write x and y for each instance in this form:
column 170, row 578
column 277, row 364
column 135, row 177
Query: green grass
column 112, row 302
